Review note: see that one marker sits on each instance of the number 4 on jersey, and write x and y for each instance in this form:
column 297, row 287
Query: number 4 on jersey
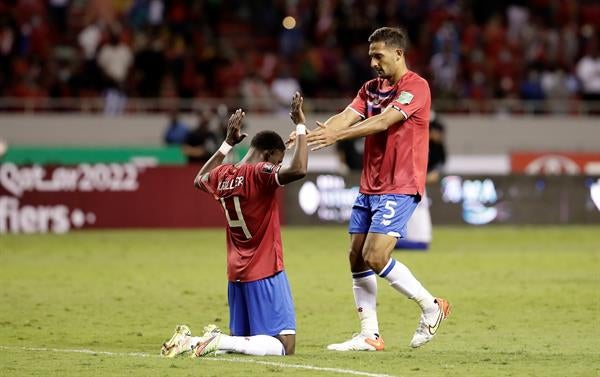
column 239, row 223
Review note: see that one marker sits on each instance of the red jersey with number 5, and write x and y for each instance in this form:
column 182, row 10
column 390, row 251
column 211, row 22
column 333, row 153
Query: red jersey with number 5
column 395, row 160
column 247, row 195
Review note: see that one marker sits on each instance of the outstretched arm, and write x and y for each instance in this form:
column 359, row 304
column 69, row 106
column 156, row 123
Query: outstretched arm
column 337, row 122
column 234, row 136
column 342, row 121
column 325, row 136
column 297, row 167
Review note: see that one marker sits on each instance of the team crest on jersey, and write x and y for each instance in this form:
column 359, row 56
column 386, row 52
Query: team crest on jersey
column 405, row 98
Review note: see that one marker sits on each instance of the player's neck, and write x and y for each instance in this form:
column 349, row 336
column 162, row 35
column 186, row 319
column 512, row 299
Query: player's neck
column 253, row 156
column 398, row 75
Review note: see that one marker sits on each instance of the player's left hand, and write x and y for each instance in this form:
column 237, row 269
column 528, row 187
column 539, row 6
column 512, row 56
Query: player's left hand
column 321, row 137
column 234, row 134
column 291, row 140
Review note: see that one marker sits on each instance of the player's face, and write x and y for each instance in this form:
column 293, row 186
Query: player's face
column 276, row 157
column 384, row 59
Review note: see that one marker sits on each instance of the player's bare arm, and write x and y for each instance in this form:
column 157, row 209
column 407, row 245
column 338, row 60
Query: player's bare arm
column 234, row 136
column 337, row 122
column 341, row 121
column 326, row 136
column 298, row 165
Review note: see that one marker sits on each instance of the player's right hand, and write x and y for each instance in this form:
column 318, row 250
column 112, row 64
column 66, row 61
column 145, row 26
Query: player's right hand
column 234, row 134
column 296, row 112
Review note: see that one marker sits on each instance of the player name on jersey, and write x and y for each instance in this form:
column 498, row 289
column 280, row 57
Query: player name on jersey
column 230, row 184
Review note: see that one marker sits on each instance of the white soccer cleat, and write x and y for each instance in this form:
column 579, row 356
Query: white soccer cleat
column 429, row 326
column 179, row 342
column 210, row 329
column 209, row 342
column 359, row 342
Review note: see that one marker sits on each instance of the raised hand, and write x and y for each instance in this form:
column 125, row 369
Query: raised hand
column 297, row 115
column 296, row 112
column 234, row 134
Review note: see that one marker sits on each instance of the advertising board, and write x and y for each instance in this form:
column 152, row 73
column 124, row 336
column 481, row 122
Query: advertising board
column 57, row 199
column 473, row 200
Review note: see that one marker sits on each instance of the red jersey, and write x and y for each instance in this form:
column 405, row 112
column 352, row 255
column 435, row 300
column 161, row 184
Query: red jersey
column 395, row 160
column 247, row 195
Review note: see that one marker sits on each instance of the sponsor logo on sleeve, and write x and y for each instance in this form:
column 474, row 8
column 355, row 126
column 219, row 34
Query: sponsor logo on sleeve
column 405, row 98
column 268, row 168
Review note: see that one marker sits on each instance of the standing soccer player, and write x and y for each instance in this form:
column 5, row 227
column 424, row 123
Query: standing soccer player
column 262, row 319
column 392, row 113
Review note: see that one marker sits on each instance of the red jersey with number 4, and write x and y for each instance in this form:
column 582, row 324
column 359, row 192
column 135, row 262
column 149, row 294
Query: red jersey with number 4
column 247, row 195
column 395, row 160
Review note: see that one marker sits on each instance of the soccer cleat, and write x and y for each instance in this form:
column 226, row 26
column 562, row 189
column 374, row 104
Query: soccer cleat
column 179, row 342
column 208, row 343
column 428, row 327
column 359, row 342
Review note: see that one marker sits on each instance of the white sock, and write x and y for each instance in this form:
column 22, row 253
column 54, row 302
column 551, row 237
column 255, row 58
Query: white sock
column 400, row 277
column 364, row 285
column 257, row 345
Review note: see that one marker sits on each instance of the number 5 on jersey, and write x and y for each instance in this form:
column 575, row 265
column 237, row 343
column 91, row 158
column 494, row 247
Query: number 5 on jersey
column 239, row 223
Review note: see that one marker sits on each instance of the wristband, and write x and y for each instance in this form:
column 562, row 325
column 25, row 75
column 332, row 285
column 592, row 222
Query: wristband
column 300, row 129
column 225, row 148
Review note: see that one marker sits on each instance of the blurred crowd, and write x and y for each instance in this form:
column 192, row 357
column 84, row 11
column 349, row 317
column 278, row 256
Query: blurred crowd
column 249, row 50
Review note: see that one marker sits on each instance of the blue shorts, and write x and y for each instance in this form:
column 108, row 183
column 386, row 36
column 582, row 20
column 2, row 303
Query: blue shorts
column 386, row 214
column 261, row 307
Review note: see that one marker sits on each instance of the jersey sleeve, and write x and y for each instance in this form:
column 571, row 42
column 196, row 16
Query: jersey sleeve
column 265, row 175
column 209, row 181
column 359, row 103
column 412, row 99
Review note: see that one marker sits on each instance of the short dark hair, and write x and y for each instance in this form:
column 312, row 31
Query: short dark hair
column 391, row 36
column 267, row 140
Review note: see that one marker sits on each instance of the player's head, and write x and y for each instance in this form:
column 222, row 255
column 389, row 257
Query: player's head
column 270, row 145
column 387, row 47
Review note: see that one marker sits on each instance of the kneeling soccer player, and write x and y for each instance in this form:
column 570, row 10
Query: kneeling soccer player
column 261, row 309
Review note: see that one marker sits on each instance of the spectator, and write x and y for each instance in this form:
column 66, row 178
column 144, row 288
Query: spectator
column 89, row 39
column 350, row 155
column 558, row 87
column 201, row 143
column 474, row 50
column 115, row 59
column 283, row 88
column 588, row 72
column 531, row 88
column 150, row 66
column 444, row 66
column 255, row 93
column 177, row 132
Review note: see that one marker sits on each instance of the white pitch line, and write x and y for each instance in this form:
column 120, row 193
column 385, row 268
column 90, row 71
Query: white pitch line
column 225, row 359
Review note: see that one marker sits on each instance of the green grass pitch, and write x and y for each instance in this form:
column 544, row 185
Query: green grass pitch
column 526, row 302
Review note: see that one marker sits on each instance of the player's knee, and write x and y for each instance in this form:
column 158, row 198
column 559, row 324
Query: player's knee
column 356, row 261
column 354, row 254
column 375, row 260
column 289, row 343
